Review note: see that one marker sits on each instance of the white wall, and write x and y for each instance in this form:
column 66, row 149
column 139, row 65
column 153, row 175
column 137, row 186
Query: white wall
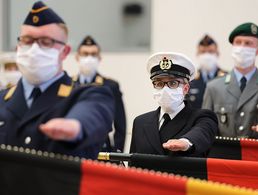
column 104, row 20
column 178, row 25
column 1, row 25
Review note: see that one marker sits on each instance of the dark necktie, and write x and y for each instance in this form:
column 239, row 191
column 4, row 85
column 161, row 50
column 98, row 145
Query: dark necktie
column 166, row 120
column 242, row 83
column 35, row 94
column 209, row 77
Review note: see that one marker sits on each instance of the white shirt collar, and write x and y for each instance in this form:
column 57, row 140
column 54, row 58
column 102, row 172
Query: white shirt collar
column 171, row 115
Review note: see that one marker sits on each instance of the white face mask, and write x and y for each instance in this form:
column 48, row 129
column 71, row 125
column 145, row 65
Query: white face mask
column 12, row 77
column 38, row 65
column 169, row 99
column 243, row 56
column 88, row 65
column 208, row 61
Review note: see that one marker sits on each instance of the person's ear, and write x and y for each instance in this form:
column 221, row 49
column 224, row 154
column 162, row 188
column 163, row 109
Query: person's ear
column 186, row 88
column 65, row 52
column 77, row 57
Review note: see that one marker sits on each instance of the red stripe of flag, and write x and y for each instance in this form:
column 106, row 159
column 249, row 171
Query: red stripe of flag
column 249, row 149
column 103, row 179
column 235, row 172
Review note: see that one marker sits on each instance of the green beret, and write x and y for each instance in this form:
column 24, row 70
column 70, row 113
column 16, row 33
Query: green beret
column 246, row 29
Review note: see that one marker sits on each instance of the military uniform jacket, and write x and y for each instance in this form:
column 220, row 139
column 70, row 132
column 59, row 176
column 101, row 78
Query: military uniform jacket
column 119, row 113
column 197, row 125
column 236, row 111
column 92, row 106
column 197, row 88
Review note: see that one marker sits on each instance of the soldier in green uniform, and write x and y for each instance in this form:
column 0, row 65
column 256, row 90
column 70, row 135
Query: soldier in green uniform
column 234, row 97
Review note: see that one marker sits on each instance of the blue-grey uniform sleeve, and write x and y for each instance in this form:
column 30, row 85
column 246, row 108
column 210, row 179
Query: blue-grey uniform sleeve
column 94, row 109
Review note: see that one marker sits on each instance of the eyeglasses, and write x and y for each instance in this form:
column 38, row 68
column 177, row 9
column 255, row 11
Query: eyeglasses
column 43, row 42
column 85, row 54
column 173, row 84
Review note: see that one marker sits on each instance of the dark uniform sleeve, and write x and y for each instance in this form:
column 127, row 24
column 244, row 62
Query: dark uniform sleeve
column 119, row 120
column 203, row 133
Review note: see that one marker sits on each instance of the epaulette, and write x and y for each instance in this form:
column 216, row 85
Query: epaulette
column 75, row 78
column 197, row 75
column 227, row 78
column 10, row 92
column 221, row 73
column 99, row 80
column 64, row 90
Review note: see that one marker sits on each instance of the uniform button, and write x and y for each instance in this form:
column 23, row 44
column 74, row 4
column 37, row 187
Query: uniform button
column 27, row 140
column 242, row 114
column 222, row 110
column 257, row 106
column 241, row 128
column 192, row 98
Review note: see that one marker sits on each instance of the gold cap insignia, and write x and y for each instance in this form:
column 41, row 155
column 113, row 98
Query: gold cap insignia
column 165, row 64
column 64, row 90
column 35, row 19
column 254, row 29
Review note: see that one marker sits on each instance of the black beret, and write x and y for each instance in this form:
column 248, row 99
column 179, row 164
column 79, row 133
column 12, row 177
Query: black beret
column 88, row 40
column 246, row 29
column 206, row 41
column 41, row 14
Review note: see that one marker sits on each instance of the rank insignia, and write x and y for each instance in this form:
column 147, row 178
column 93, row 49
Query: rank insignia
column 64, row 90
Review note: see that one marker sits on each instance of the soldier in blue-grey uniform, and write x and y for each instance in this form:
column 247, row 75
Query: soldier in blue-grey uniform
column 174, row 128
column 234, row 97
column 88, row 57
column 44, row 111
column 207, row 55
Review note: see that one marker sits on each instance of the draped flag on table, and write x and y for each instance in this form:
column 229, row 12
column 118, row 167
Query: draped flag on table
column 33, row 172
column 234, row 148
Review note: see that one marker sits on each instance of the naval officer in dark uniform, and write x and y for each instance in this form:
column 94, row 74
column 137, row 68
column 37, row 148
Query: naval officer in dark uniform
column 207, row 55
column 89, row 57
column 174, row 128
column 43, row 112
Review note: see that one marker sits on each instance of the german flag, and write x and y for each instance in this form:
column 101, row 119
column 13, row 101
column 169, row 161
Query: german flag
column 30, row 172
column 235, row 172
column 234, row 148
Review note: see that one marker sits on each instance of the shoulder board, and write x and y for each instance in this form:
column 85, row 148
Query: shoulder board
column 99, row 80
column 197, row 75
column 75, row 78
column 227, row 78
column 64, row 90
column 221, row 73
column 10, row 92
